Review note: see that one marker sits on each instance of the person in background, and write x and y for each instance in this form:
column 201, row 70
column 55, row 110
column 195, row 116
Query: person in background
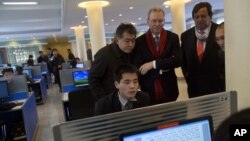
column 42, row 58
column 219, row 37
column 8, row 73
column 157, row 55
column 57, row 61
column 71, row 56
column 101, row 76
column 19, row 71
column 73, row 63
column 30, row 61
column 126, row 96
column 200, row 65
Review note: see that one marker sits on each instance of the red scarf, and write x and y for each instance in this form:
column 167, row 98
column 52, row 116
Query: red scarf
column 158, row 87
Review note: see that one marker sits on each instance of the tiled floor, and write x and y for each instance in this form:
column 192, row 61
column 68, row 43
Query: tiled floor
column 51, row 112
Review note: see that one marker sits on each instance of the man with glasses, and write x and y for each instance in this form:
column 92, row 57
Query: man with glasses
column 157, row 55
column 107, row 59
column 200, row 65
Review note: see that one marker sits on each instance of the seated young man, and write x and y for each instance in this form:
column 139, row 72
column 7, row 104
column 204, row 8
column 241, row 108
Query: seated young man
column 8, row 73
column 126, row 96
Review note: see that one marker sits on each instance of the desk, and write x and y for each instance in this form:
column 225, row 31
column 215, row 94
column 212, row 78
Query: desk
column 39, row 89
column 47, row 77
column 21, row 121
column 65, row 102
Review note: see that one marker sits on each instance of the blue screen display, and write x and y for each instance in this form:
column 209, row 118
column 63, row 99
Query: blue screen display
column 4, row 89
column 28, row 72
column 80, row 78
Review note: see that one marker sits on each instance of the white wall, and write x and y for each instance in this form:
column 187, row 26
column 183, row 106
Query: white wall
column 237, row 48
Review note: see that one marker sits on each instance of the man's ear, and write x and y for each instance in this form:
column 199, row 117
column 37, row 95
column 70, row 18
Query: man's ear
column 116, row 84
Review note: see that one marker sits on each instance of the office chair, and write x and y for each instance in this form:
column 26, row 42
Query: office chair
column 81, row 103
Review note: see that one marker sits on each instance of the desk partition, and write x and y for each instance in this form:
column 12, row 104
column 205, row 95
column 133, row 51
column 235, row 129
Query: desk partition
column 108, row 127
column 67, row 80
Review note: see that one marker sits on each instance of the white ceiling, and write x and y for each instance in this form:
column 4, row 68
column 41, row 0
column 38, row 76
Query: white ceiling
column 57, row 16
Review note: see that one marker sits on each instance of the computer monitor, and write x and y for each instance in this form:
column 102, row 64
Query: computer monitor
column 4, row 90
column 200, row 129
column 80, row 78
column 28, row 72
column 80, row 65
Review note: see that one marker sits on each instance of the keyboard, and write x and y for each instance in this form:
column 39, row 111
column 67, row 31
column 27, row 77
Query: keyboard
column 7, row 106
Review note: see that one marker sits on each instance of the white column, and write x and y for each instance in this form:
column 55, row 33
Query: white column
column 178, row 16
column 177, row 8
column 237, row 49
column 80, row 42
column 95, row 23
column 74, row 48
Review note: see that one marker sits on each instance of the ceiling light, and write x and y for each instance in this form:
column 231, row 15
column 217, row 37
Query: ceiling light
column 87, row 3
column 19, row 3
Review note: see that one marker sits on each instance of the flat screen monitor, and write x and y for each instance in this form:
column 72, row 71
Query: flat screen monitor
column 28, row 72
column 80, row 65
column 200, row 129
column 4, row 90
column 80, row 78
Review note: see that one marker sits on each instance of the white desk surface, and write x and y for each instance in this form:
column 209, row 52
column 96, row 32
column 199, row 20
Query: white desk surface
column 65, row 96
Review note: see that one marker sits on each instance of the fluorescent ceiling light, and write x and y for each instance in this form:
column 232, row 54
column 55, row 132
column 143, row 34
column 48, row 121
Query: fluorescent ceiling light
column 19, row 3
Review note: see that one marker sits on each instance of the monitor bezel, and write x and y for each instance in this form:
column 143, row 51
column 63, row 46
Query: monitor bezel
column 169, row 125
column 77, row 85
column 8, row 93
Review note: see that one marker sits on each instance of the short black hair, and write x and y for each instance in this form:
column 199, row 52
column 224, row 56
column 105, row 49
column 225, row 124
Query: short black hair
column 7, row 70
column 200, row 5
column 125, row 27
column 19, row 70
column 125, row 68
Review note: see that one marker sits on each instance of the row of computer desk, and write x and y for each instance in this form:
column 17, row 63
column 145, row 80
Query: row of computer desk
column 21, row 121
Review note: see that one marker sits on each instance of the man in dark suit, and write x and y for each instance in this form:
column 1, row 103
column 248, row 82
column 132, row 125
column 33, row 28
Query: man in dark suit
column 126, row 96
column 157, row 55
column 219, row 37
column 200, row 64
column 101, row 76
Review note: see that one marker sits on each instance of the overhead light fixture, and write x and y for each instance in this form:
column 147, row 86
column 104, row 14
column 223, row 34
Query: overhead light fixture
column 19, row 3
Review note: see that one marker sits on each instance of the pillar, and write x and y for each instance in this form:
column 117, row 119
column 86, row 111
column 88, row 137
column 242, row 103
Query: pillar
column 95, row 23
column 80, row 42
column 237, row 49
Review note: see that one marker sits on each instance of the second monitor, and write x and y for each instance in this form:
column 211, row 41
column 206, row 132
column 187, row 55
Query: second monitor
column 80, row 78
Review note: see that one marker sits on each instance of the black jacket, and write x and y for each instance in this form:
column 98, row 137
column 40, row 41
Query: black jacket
column 111, row 103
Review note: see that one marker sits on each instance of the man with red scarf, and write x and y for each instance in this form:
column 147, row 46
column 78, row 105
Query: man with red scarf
column 158, row 54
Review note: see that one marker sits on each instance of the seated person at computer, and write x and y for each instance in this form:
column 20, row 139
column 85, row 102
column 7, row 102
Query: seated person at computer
column 126, row 96
column 19, row 71
column 73, row 63
column 8, row 73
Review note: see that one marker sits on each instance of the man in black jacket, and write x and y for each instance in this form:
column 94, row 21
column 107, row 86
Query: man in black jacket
column 106, row 60
column 200, row 64
column 126, row 96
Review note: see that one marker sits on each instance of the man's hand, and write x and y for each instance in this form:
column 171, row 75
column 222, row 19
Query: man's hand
column 146, row 67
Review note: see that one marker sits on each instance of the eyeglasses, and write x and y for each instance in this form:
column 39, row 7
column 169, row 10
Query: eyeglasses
column 157, row 21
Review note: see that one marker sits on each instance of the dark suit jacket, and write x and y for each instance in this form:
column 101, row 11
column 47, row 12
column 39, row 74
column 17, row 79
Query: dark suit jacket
column 111, row 103
column 169, row 60
column 101, row 76
column 202, row 77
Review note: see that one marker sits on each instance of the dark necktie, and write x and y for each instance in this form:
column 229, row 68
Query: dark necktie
column 128, row 105
column 157, row 42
